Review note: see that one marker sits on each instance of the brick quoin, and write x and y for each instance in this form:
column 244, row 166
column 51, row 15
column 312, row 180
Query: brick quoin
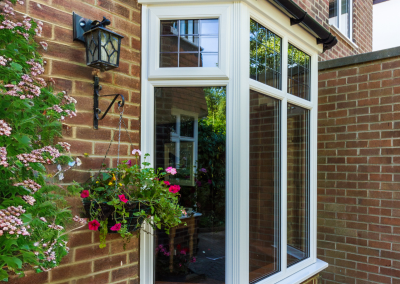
column 358, row 192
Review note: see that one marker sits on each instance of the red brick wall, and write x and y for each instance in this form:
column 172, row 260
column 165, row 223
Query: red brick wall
column 358, row 172
column 66, row 64
column 362, row 26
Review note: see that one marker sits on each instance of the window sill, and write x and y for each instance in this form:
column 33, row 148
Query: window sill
column 305, row 273
column 344, row 37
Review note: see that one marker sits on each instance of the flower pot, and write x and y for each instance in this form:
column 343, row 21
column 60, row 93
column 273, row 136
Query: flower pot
column 108, row 212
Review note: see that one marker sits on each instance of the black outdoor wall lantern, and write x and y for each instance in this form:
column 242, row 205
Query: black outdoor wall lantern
column 102, row 45
column 102, row 52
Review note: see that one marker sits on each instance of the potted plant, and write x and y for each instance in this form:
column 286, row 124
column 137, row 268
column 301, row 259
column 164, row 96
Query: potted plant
column 119, row 200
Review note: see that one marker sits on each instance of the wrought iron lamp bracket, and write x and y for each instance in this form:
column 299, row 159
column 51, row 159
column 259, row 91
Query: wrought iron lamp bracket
column 96, row 110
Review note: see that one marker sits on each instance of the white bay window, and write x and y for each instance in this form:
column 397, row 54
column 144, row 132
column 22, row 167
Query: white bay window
column 229, row 98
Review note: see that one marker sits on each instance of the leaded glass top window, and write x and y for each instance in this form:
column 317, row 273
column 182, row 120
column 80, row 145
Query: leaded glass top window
column 265, row 56
column 299, row 73
column 189, row 43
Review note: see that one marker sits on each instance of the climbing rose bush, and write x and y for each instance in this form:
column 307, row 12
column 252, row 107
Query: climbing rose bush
column 33, row 215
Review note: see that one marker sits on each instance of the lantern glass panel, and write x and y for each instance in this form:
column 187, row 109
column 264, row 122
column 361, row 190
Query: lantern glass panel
column 92, row 47
column 114, row 53
column 104, row 38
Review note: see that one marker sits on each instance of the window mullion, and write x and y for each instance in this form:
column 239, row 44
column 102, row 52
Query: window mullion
column 339, row 3
column 285, row 64
column 285, row 48
column 284, row 186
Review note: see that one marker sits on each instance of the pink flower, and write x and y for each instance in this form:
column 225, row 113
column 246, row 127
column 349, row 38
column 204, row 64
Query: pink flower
column 129, row 163
column 183, row 252
column 136, row 152
column 203, row 170
column 94, row 225
column 122, row 198
column 171, row 170
column 116, row 227
column 193, row 260
column 167, row 183
column 85, row 193
column 174, row 188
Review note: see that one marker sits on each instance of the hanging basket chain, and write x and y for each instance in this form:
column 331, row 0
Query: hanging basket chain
column 119, row 142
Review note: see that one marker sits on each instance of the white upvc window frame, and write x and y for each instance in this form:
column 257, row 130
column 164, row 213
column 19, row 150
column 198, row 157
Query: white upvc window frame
column 179, row 13
column 337, row 28
column 234, row 75
column 177, row 138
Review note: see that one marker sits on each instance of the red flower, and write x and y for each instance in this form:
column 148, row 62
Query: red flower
column 122, row 198
column 167, row 182
column 85, row 193
column 174, row 188
column 116, row 227
column 178, row 247
column 94, row 225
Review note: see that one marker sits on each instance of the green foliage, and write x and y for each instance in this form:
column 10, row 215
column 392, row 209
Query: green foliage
column 265, row 49
column 210, row 176
column 30, row 122
column 129, row 188
column 216, row 104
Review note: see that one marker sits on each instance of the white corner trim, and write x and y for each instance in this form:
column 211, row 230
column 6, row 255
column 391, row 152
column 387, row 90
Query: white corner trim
column 305, row 273
column 344, row 37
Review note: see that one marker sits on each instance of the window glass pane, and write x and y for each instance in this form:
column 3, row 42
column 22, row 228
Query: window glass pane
column 298, row 184
column 344, row 25
column 265, row 186
column 169, row 44
column 209, row 44
column 169, row 60
column 209, row 60
column 181, row 36
column 333, row 13
column 187, row 126
column 209, row 27
column 190, row 135
column 189, row 27
column 189, row 43
column 265, row 55
column 188, row 59
column 298, row 73
column 169, row 27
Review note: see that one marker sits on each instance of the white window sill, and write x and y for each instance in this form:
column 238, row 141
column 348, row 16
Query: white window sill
column 344, row 37
column 305, row 273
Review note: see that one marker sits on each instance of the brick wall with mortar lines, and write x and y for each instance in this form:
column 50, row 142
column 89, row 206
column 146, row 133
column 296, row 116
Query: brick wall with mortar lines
column 362, row 26
column 66, row 64
column 358, row 173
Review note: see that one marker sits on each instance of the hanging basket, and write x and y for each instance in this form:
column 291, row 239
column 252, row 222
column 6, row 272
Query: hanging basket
column 108, row 212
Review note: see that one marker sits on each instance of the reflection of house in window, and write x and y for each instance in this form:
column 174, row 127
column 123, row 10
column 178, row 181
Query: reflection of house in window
column 189, row 43
column 178, row 111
